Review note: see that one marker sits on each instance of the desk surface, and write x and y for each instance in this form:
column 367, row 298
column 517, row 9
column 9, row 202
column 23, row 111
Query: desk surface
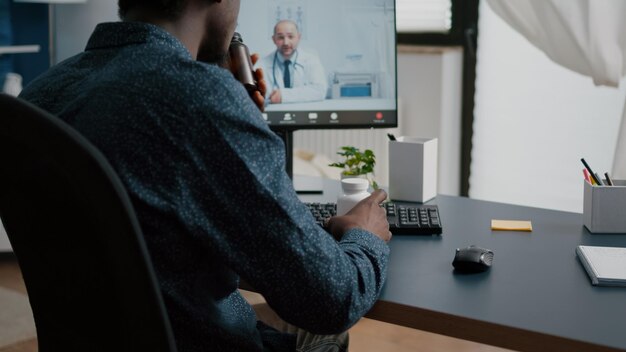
column 536, row 297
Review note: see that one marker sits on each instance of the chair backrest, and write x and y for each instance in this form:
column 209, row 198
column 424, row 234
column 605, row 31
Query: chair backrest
column 73, row 229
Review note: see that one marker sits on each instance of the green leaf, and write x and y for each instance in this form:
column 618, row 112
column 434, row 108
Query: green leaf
column 356, row 162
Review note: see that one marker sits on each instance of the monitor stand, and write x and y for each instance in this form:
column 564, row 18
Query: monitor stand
column 308, row 184
column 302, row 184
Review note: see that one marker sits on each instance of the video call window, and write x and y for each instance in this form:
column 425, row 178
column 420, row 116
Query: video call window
column 325, row 61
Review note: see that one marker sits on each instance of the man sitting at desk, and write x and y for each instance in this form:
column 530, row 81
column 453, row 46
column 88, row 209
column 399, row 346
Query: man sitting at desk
column 295, row 75
column 207, row 179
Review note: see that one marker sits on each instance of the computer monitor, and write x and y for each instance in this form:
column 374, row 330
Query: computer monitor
column 329, row 64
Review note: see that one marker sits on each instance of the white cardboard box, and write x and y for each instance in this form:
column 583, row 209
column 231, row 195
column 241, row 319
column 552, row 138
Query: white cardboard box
column 604, row 206
column 413, row 169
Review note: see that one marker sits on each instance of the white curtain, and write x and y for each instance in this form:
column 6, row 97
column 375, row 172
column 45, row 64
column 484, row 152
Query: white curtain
column 586, row 36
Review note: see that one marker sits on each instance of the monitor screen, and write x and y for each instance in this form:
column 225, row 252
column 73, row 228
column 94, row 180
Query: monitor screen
column 327, row 63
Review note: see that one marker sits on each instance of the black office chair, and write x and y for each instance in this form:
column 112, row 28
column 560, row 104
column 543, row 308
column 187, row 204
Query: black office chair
column 77, row 240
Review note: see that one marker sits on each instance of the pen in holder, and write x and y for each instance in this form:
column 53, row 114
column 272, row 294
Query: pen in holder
column 603, row 207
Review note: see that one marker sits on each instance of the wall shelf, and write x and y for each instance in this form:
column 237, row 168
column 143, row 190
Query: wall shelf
column 19, row 49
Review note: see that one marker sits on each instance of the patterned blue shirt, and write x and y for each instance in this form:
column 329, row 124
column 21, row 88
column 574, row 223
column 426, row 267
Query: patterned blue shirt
column 206, row 177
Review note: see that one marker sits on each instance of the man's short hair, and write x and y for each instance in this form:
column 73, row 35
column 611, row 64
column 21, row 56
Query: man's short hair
column 170, row 9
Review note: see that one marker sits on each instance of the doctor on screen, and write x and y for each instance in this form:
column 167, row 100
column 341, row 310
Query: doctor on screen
column 293, row 75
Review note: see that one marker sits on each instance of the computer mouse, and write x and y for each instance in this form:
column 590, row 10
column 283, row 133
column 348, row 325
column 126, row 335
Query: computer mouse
column 472, row 259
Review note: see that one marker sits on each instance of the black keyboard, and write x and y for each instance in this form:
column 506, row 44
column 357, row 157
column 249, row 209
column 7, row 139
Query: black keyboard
column 403, row 218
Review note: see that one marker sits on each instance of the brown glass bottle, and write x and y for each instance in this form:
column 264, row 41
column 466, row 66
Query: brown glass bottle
column 241, row 64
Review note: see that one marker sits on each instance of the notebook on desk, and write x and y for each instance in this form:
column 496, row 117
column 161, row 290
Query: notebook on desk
column 606, row 266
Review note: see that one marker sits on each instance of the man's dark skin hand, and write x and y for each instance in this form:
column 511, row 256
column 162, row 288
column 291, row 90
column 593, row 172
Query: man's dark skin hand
column 259, row 95
column 367, row 215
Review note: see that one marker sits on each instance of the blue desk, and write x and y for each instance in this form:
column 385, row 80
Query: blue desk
column 536, row 297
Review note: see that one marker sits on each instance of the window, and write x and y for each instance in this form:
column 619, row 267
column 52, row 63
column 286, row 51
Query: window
column 418, row 16
column 446, row 23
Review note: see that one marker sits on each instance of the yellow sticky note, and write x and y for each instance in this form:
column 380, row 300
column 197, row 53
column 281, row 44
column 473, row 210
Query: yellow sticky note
column 511, row 225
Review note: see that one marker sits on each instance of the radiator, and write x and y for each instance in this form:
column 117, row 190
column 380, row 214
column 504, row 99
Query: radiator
column 328, row 142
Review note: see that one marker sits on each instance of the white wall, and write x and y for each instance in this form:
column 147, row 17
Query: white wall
column 534, row 120
column 430, row 91
column 76, row 22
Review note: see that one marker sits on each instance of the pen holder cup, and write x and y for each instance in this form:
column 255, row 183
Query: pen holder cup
column 413, row 169
column 603, row 208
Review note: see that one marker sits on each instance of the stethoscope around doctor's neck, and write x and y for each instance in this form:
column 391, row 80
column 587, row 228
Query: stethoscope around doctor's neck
column 295, row 64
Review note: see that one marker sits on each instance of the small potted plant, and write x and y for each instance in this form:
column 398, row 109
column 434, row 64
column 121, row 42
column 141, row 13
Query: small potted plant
column 357, row 164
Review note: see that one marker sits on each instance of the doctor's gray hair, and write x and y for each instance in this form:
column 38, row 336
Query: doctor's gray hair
column 287, row 21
